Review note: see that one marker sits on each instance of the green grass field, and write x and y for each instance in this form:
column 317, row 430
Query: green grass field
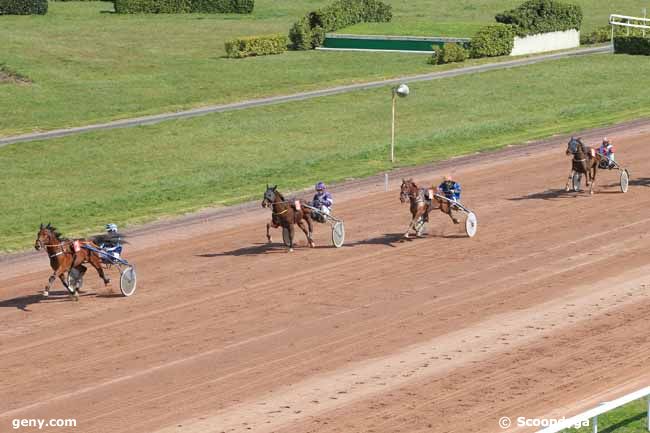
column 138, row 174
column 631, row 418
column 89, row 65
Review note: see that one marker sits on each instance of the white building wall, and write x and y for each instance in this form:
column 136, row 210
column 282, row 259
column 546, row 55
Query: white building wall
column 546, row 42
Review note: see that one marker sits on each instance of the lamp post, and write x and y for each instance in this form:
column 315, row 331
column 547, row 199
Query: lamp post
column 402, row 91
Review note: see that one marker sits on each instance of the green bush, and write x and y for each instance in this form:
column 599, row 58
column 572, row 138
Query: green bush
column 23, row 7
column 601, row 34
column 604, row 34
column 632, row 45
column 542, row 16
column 256, row 46
column 310, row 31
column 492, row 41
column 300, row 35
column 183, row 6
column 449, row 53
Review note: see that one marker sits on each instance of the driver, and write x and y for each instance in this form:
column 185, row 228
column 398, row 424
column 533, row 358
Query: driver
column 450, row 189
column 112, row 242
column 323, row 200
column 607, row 149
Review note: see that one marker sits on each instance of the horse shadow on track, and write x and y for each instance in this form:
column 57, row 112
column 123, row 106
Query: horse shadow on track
column 255, row 250
column 642, row 181
column 23, row 302
column 391, row 239
column 550, row 194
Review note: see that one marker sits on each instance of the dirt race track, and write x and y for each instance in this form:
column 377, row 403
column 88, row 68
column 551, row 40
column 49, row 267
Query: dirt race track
column 544, row 313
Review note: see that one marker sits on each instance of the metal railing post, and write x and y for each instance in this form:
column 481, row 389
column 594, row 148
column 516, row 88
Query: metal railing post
column 648, row 413
column 594, row 424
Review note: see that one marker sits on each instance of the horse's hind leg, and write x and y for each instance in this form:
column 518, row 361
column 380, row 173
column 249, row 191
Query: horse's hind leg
column 305, row 228
column 96, row 263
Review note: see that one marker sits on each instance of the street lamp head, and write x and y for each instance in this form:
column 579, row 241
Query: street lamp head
column 402, row 90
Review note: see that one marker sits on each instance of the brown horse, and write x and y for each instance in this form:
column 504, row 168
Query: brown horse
column 286, row 214
column 64, row 256
column 421, row 205
column 585, row 161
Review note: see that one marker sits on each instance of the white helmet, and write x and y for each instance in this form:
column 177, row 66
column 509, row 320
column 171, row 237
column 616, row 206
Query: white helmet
column 111, row 228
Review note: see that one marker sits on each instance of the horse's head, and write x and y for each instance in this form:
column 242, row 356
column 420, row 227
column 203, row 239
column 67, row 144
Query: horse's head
column 45, row 236
column 406, row 190
column 269, row 195
column 573, row 146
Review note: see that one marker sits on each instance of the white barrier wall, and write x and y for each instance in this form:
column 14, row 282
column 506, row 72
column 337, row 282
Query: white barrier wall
column 546, row 42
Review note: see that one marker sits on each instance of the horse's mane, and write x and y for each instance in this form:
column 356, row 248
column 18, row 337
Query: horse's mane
column 279, row 195
column 55, row 232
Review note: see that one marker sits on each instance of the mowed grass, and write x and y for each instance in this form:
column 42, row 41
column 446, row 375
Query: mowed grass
column 89, row 65
column 631, row 418
column 139, row 174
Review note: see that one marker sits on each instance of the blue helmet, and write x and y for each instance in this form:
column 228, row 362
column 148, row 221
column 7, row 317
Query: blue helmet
column 320, row 186
column 111, row 228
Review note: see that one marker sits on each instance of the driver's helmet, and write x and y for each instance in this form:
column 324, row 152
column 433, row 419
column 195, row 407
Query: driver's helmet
column 320, row 186
column 111, row 228
column 605, row 140
column 448, row 178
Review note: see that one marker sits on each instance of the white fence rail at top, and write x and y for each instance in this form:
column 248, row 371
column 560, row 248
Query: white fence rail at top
column 592, row 414
column 629, row 22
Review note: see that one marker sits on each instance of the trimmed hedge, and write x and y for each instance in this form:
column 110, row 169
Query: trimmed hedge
column 632, row 45
column 256, row 46
column 309, row 31
column 449, row 53
column 23, row 7
column 542, row 16
column 492, row 41
column 183, row 6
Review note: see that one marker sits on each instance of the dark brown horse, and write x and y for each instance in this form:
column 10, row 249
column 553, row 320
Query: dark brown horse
column 421, row 201
column 286, row 214
column 65, row 255
column 585, row 161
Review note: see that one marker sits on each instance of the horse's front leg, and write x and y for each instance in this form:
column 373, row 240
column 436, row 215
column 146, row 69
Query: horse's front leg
column 292, row 232
column 268, row 232
column 414, row 217
column 570, row 181
column 593, row 179
column 50, row 281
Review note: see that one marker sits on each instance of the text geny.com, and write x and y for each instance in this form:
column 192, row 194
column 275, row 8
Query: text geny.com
column 41, row 423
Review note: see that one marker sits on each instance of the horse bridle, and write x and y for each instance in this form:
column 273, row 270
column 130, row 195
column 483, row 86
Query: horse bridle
column 44, row 246
column 409, row 194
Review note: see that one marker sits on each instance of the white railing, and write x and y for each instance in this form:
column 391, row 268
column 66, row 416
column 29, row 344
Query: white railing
column 626, row 21
column 592, row 414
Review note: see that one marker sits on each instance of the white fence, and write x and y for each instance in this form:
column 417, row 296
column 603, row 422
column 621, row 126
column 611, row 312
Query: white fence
column 592, row 414
column 542, row 42
column 628, row 22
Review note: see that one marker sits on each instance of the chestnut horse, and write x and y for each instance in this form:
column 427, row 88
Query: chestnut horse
column 585, row 161
column 421, row 205
column 63, row 258
column 286, row 214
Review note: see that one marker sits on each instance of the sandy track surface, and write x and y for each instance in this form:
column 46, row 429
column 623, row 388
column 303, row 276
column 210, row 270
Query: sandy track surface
column 543, row 313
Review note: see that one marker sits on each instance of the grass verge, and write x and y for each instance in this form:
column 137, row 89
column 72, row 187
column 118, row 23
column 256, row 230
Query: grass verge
column 631, row 418
column 139, row 174
column 89, row 65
